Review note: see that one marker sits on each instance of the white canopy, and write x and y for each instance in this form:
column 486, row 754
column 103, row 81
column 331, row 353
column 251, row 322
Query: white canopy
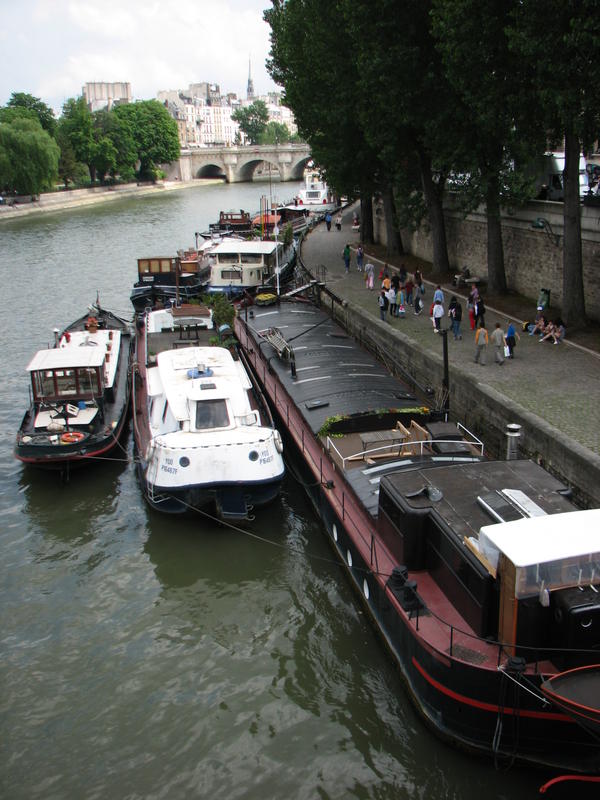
column 539, row 540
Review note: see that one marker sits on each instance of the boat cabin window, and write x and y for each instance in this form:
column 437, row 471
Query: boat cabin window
column 81, row 382
column 211, row 414
column 252, row 258
column 231, row 274
column 154, row 265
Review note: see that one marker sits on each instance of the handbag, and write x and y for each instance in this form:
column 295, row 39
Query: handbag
column 506, row 351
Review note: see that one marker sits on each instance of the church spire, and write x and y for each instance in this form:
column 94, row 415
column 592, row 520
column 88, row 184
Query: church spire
column 250, row 89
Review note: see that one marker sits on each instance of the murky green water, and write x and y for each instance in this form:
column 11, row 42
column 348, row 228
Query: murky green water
column 150, row 657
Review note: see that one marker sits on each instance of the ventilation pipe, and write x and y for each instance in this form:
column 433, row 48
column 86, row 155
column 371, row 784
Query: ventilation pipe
column 513, row 435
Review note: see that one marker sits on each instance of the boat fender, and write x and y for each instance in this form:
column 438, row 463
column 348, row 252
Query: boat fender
column 278, row 441
column 71, row 437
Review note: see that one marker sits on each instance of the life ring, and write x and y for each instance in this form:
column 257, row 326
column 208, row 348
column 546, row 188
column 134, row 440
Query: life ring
column 71, row 437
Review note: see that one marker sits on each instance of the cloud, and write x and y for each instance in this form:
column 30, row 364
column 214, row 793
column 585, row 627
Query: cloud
column 51, row 48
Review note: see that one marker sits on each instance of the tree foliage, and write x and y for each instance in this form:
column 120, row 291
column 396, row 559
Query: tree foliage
column 44, row 113
column 252, row 120
column 275, row 133
column 28, row 156
column 153, row 131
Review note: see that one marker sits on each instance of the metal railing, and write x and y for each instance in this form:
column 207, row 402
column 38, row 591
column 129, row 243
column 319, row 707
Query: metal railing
column 398, row 448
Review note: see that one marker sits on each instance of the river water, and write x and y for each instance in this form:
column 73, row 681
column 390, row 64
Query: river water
column 149, row 657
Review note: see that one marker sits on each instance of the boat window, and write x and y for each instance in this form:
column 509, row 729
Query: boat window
column 211, row 414
column 251, row 258
column 231, row 274
column 164, row 414
column 88, row 380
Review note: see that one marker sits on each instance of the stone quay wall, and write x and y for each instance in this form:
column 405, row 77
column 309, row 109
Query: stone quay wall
column 480, row 408
column 532, row 258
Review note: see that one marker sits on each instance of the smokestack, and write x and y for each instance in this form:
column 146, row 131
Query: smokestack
column 513, row 434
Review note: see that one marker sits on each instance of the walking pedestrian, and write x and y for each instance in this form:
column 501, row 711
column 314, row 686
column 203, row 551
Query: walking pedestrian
column 328, row 220
column 455, row 314
column 479, row 312
column 360, row 254
column 481, row 340
column 382, row 301
column 346, row 257
column 512, row 337
column 438, row 313
column 391, row 296
column 408, row 288
column 369, row 275
column 338, row 222
column 438, row 295
column 419, row 282
column 418, row 304
column 498, row 342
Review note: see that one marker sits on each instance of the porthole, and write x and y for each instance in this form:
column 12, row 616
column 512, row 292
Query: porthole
column 184, row 461
column 253, row 455
column 366, row 588
column 334, row 531
column 349, row 557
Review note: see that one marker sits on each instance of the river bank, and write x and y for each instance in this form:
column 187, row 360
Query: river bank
column 51, row 202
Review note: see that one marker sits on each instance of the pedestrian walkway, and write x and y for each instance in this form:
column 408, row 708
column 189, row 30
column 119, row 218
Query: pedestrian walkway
column 560, row 384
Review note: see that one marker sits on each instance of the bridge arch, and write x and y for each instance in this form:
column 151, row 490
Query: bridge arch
column 296, row 172
column 246, row 168
column 211, row 170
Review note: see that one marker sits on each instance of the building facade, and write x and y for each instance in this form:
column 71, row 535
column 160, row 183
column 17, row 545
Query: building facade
column 99, row 95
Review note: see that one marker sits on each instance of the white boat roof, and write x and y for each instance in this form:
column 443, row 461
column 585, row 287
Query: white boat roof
column 538, row 540
column 228, row 378
column 75, row 354
column 244, row 246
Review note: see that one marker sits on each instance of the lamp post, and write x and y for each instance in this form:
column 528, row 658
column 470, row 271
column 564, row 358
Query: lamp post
column 445, row 380
column 276, row 232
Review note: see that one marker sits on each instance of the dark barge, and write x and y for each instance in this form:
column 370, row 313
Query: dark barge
column 426, row 527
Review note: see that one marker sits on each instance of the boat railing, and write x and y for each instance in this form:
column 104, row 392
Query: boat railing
column 403, row 449
column 460, row 642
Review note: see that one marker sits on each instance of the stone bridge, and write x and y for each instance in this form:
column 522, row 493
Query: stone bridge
column 237, row 164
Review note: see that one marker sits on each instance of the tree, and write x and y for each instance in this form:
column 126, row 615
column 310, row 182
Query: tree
column 496, row 138
column 409, row 112
column 76, row 125
column 275, row 133
column 154, row 132
column 115, row 150
column 562, row 59
column 320, row 90
column 252, row 120
column 69, row 169
column 44, row 113
column 28, row 157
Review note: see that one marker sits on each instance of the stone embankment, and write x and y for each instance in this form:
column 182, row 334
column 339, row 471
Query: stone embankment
column 78, row 198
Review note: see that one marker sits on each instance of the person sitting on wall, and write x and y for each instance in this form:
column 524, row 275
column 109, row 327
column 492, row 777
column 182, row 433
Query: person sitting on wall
column 540, row 325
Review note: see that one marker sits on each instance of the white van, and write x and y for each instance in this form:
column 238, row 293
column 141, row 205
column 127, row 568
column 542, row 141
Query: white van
column 550, row 180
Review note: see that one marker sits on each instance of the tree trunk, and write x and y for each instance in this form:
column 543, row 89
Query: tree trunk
column 433, row 199
column 392, row 234
column 573, row 302
column 495, row 249
column 366, row 219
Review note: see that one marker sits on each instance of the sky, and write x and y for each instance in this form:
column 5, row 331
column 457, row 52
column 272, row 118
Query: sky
column 51, row 48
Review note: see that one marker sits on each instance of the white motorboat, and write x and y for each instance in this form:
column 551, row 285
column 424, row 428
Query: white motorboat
column 315, row 194
column 205, row 441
